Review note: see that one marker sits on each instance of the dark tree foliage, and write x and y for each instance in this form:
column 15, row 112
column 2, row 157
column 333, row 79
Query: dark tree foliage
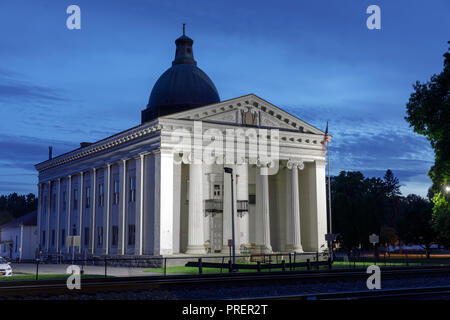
column 13, row 206
column 362, row 206
column 428, row 112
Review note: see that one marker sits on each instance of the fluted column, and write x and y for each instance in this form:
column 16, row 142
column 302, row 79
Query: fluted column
column 195, row 220
column 141, row 203
column 242, row 195
column 69, row 210
column 49, row 208
column 80, row 211
column 40, row 203
column 262, row 209
column 94, row 209
column 108, row 211
column 58, row 215
column 293, row 222
column 123, row 215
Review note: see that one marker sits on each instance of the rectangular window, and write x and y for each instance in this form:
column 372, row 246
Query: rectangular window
column 54, row 202
column 116, row 192
column 101, row 195
column 251, row 194
column 75, row 199
column 86, row 236
column 132, row 189
column 64, row 201
column 53, row 238
column 63, row 237
column 15, row 249
column 131, row 234
column 217, row 192
column 74, row 230
column 99, row 237
column 115, row 235
column 88, row 197
column 43, row 237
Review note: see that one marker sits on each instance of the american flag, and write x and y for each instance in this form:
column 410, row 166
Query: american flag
column 325, row 140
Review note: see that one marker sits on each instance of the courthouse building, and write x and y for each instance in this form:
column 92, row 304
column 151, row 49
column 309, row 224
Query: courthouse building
column 143, row 192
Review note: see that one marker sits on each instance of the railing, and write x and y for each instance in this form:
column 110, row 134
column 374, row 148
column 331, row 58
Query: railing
column 55, row 266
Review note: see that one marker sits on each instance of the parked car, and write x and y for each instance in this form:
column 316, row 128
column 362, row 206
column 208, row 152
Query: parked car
column 5, row 268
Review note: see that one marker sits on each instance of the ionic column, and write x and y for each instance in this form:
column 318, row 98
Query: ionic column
column 293, row 222
column 108, row 205
column 123, row 214
column 80, row 211
column 94, row 209
column 58, row 213
column 49, row 193
column 140, row 214
column 195, row 220
column 69, row 210
column 262, row 209
column 40, row 202
column 242, row 195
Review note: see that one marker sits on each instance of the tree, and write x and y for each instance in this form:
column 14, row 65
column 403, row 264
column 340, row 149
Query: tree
column 13, row 206
column 441, row 217
column 415, row 224
column 428, row 112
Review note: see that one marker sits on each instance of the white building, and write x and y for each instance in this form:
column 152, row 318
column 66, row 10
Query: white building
column 142, row 191
column 18, row 238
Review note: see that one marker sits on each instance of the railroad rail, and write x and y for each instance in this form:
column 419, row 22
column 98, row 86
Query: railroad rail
column 120, row 284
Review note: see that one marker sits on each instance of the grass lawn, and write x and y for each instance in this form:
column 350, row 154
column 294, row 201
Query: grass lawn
column 336, row 264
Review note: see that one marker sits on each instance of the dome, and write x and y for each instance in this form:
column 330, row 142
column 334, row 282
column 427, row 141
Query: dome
column 182, row 87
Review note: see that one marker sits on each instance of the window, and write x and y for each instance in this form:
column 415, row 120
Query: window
column 88, row 197
column 116, row 191
column 63, row 237
column 75, row 199
column 54, row 202
column 74, row 230
column 132, row 189
column 115, row 235
column 217, row 191
column 64, row 201
column 15, row 249
column 101, row 195
column 43, row 237
column 99, row 237
column 86, row 236
column 251, row 194
column 53, row 238
column 131, row 234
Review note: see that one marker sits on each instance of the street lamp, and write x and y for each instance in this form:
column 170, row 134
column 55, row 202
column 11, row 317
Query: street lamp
column 447, row 189
column 230, row 171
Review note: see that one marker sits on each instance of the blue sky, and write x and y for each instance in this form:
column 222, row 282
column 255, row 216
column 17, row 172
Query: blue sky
column 316, row 59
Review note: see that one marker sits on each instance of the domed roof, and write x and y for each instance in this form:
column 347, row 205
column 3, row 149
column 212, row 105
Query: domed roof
column 182, row 87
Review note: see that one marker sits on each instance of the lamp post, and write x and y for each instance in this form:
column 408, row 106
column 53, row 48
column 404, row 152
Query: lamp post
column 447, row 189
column 230, row 171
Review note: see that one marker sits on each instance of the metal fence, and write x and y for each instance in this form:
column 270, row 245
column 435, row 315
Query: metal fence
column 55, row 266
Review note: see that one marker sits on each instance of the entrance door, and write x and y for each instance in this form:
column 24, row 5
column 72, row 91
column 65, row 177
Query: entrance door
column 216, row 231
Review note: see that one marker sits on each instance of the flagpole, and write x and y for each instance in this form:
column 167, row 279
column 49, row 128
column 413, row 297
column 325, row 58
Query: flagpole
column 329, row 190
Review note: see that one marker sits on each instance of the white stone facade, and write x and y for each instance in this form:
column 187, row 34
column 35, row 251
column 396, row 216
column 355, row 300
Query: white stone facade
column 130, row 195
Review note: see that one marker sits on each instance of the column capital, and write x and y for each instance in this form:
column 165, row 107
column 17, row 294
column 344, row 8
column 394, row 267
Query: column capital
column 295, row 164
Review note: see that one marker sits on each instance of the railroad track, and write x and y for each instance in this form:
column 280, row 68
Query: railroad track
column 384, row 294
column 120, row 284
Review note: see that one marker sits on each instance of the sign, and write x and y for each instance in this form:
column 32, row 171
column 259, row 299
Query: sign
column 373, row 238
column 230, row 242
column 73, row 241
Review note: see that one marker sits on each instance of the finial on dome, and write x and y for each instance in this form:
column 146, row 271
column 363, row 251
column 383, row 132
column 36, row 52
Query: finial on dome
column 184, row 53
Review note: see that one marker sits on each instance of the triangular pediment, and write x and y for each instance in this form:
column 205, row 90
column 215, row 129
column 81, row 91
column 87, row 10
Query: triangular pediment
column 249, row 110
